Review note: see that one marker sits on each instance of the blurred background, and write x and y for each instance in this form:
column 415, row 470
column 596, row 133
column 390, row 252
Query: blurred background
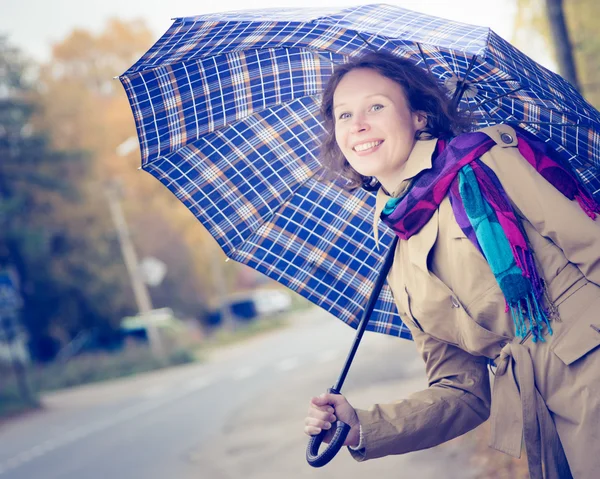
column 104, row 274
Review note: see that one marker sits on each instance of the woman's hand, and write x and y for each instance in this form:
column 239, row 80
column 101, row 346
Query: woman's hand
column 324, row 410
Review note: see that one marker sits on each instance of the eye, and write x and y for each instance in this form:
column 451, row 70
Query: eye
column 344, row 116
column 377, row 107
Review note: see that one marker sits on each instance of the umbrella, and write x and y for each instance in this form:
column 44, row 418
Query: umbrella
column 226, row 108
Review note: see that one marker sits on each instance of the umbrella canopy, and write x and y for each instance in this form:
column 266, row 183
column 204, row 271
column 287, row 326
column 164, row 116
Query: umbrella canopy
column 227, row 113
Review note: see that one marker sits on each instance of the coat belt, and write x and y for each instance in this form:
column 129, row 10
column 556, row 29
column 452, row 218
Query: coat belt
column 519, row 413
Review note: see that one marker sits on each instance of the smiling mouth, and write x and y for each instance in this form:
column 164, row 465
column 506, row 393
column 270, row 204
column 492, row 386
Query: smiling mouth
column 367, row 146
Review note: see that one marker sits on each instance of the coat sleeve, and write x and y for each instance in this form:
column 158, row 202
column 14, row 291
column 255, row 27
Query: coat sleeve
column 548, row 210
column 456, row 401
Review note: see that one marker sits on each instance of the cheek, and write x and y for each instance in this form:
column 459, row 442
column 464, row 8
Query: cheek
column 339, row 138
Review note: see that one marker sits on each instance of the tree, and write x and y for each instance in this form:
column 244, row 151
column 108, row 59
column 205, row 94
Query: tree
column 562, row 43
column 85, row 108
column 580, row 19
column 30, row 172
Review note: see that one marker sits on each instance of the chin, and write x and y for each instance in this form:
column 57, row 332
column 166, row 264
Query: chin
column 369, row 172
column 364, row 169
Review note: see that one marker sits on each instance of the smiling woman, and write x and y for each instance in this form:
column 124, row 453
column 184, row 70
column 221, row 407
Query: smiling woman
column 497, row 263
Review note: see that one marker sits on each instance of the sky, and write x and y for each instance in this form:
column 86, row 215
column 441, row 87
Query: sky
column 33, row 25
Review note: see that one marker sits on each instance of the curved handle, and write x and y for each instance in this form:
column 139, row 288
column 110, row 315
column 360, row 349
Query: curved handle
column 312, row 451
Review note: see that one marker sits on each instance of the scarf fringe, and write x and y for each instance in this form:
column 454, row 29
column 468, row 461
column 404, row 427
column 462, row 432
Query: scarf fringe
column 588, row 205
column 524, row 260
column 529, row 315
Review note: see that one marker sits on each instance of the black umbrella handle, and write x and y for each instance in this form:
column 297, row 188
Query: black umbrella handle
column 337, row 441
column 342, row 429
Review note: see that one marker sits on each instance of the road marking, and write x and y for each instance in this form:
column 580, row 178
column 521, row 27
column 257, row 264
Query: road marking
column 288, row 364
column 245, row 372
column 154, row 391
column 14, row 462
column 198, row 383
column 41, row 449
column 327, row 356
column 89, row 429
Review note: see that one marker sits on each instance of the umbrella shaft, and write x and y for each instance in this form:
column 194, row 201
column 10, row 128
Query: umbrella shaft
column 389, row 260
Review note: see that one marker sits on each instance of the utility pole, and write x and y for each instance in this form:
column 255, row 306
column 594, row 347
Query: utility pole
column 10, row 333
column 140, row 291
column 218, row 276
column 562, row 43
column 10, row 304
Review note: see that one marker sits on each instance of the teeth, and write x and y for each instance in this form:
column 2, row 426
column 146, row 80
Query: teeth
column 366, row 146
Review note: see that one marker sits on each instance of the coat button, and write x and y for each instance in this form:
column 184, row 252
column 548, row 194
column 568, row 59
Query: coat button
column 455, row 303
column 506, row 138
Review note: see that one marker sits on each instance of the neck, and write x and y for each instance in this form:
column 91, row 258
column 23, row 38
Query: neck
column 418, row 160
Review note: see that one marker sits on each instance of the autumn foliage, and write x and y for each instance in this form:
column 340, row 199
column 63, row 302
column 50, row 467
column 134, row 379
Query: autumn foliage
column 70, row 265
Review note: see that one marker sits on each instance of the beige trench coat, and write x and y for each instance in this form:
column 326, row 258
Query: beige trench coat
column 448, row 297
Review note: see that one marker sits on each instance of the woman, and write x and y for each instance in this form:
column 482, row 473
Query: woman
column 498, row 263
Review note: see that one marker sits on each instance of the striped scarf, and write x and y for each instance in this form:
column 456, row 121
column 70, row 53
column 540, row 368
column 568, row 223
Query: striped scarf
column 484, row 213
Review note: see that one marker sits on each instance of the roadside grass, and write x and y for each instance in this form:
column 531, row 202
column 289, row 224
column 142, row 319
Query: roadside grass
column 133, row 359
column 80, row 370
column 91, row 368
column 11, row 402
column 224, row 337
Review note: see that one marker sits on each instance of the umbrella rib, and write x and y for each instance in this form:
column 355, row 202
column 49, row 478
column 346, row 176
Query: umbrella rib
column 577, row 125
column 494, row 99
column 503, row 80
column 463, row 83
column 366, row 42
column 424, row 58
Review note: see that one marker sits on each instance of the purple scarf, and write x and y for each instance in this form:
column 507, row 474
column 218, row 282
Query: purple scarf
column 484, row 213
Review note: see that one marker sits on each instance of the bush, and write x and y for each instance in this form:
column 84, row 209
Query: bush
column 11, row 400
column 94, row 367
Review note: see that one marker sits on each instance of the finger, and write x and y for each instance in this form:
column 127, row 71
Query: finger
column 311, row 430
column 314, row 431
column 319, row 401
column 321, row 415
column 327, row 408
column 320, row 423
column 313, row 426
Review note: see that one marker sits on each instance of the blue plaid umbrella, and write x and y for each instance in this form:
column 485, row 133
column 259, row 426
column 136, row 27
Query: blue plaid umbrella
column 227, row 113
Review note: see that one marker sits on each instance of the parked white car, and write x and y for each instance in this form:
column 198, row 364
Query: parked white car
column 271, row 301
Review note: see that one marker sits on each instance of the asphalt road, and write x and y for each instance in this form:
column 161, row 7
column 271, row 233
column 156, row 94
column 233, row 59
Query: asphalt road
column 238, row 415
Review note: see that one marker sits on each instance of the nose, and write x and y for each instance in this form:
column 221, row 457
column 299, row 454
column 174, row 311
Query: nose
column 359, row 124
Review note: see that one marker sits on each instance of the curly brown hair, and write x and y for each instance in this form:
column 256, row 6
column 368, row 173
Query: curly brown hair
column 423, row 93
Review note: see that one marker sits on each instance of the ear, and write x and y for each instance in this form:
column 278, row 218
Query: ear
column 420, row 119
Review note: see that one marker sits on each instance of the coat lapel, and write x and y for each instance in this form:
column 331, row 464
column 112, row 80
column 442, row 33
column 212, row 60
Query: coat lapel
column 420, row 244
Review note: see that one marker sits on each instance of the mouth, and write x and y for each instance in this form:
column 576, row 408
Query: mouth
column 367, row 147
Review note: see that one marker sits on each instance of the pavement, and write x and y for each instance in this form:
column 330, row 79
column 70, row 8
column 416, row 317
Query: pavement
column 264, row 440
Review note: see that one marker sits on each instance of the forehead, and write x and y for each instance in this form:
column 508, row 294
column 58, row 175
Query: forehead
column 363, row 82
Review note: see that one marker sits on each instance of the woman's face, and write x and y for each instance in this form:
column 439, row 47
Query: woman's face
column 374, row 126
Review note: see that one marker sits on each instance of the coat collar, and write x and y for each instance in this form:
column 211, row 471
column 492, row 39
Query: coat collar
column 418, row 161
